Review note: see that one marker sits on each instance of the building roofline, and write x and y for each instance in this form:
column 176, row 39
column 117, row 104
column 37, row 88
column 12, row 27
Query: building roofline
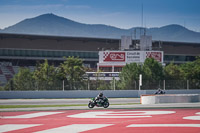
column 34, row 36
column 54, row 36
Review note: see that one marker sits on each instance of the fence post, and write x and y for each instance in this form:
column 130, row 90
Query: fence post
column 114, row 84
column 63, row 85
column 88, row 83
column 135, row 84
column 163, row 84
column 37, row 86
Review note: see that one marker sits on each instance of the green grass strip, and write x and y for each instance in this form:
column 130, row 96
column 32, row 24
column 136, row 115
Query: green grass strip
column 38, row 106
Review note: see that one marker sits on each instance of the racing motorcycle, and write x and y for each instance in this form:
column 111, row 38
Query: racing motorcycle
column 98, row 103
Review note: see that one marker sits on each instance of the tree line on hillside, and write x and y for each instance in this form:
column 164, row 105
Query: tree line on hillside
column 69, row 75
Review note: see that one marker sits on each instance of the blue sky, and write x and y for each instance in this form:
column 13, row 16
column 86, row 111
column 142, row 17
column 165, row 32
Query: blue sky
column 119, row 13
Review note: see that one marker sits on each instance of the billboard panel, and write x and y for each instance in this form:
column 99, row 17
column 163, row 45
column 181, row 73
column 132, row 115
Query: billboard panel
column 133, row 56
column 113, row 56
column 129, row 56
column 156, row 55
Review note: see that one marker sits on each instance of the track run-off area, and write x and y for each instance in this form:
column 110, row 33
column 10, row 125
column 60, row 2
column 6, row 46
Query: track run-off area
column 102, row 121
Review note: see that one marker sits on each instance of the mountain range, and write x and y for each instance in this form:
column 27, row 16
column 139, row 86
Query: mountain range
column 50, row 24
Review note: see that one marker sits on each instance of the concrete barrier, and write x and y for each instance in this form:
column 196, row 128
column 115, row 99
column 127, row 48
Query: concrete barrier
column 170, row 98
column 66, row 94
column 86, row 93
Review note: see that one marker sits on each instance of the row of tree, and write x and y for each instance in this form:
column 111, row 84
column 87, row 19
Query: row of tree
column 48, row 77
column 71, row 71
column 153, row 72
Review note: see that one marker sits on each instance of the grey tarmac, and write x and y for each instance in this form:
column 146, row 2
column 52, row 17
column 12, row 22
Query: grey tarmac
column 122, row 103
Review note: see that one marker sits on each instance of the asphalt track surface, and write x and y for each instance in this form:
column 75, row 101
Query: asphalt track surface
column 124, row 115
column 115, row 103
column 63, row 101
column 102, row 121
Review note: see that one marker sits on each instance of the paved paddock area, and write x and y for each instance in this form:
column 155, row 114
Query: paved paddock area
column 102, row 121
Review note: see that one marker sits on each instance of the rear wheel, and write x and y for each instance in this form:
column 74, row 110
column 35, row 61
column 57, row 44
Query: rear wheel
column 90, row 105
column 106, row 104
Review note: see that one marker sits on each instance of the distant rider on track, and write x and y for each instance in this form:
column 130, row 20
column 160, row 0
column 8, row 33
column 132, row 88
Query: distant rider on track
column 159, row 91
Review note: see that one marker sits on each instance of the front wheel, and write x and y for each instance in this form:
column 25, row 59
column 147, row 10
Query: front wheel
column 106, row 105
column 90, row 105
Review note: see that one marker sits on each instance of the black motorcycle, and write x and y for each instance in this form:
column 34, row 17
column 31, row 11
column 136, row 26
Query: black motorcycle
column 98, row 103
column 159, row 91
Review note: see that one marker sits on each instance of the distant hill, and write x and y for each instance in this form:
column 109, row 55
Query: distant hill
column 174, row 33
column 50, row 24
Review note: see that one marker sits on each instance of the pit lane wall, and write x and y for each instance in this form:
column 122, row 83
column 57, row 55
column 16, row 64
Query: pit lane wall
column 86, row 93
column 170, row 98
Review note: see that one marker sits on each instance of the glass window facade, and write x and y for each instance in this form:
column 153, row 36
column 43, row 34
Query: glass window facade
column 46, row 53
column 106, row 69
column 178, row 58
column 93, row 55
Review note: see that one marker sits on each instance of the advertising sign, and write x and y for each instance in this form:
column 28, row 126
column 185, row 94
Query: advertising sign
column 133, row 56
column 156, row 55
column 114, row 56
column 129, row 56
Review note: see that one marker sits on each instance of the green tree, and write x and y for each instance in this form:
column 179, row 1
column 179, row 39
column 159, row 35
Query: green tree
column 152, row 70
column 152, row 74
column 191, row 69
column 129, row 76
column 173, row 72
column 72, row 69
column 187, row 69
column 45, row 76
column 174, row 77
column 196, row 69
column 23, row 80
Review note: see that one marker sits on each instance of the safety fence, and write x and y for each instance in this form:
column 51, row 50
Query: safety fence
column 102, row 85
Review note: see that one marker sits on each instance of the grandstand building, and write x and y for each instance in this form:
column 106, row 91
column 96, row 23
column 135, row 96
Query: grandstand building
column 26, row 50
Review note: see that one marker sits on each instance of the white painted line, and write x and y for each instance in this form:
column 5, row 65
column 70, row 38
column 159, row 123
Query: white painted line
column 197, row 117
column 103, row 114
column 192, row 117
column 75, row 128
column 198, row 113
column 12, row 127
column 119, row 114
column 32, row 115
column 164, row 125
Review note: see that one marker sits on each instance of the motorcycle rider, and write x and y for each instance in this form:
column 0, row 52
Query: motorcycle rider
column 159, row 91
column 100, row 101
column 99, row 97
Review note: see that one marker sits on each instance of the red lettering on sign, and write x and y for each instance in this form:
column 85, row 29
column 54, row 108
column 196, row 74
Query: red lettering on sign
column 114, row 56
column 155, row 55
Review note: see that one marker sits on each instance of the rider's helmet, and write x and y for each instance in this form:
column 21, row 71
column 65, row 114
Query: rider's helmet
column 101, row 94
